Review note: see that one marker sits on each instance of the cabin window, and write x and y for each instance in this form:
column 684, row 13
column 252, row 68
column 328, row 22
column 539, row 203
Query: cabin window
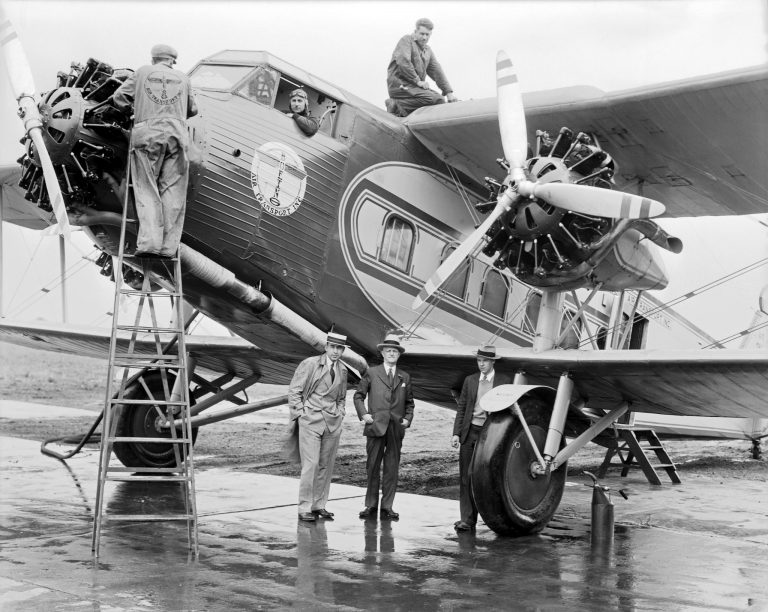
column 261, row 86
column 532, row 307
column 321, row 107
column 426, row 254
column 572, row 338
column 369, row 221
column 457, row 284
column 494, row 294
column 209, row 76
column 639, row 334
column 602, row 337
column 397, row 243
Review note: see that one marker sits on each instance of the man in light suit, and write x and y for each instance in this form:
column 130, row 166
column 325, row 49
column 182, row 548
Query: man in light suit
column 468, row 424
column 316, row 398
column 389, row 414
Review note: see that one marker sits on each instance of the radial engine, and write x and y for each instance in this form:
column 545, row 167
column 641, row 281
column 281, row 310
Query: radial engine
column 87, row 140
column 548, row 246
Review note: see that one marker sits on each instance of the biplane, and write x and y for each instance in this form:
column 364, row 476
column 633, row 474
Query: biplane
column 521, row 219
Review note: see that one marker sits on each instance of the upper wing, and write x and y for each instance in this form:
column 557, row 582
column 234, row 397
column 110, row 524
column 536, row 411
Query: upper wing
column 17, row 209
column 698, row 146
column 694, row 382
column 215, row 353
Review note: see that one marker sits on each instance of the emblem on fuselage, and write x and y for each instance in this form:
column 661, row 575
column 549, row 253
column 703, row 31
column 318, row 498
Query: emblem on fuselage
column 278, row 179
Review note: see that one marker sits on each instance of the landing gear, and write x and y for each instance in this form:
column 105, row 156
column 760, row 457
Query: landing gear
column 510, row 496
column 145, row 422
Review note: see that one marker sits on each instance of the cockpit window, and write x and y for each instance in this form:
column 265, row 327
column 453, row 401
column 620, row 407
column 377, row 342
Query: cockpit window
column 207, row 76
column 261, row 86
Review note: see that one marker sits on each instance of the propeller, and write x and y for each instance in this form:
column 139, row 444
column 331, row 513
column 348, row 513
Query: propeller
column 581, row 199
column 23, row 86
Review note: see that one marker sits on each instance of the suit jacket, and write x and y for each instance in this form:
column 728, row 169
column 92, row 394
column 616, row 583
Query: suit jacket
column 305, row 380
column 385, row 403
column 467, row 399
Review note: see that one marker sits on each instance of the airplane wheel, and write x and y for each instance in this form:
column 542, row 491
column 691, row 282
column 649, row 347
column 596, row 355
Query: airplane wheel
column 143, row 421
column 511, row 500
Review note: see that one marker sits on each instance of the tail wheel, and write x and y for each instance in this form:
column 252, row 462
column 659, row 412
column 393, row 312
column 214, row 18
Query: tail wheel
column 509, row 497
column 145, row 422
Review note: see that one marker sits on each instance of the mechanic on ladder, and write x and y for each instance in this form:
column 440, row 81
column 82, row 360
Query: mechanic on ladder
column 162, row 100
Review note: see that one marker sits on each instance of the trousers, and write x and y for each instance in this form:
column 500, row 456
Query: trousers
column 384, row 448
column 411, row 98
column 467, row 506
column 318, row 455
column 160, row 174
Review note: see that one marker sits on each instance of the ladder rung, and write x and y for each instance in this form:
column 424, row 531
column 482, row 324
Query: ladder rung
column 165, row 356
column 149, row 478
column 155, row 470
column 664, row 465
column 147, row 364
column 151, row 329
column 148, row 517
column 156, row 440
column 152, row 293
column 146, row 402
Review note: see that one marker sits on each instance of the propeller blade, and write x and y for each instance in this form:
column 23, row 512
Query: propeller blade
column 594, row 200
column 514, row 137
column 455, row 259
column 19, row 72
column 51, row 183
column 23, row 85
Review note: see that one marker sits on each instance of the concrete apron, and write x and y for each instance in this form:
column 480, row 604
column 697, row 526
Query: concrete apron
column 255, row 554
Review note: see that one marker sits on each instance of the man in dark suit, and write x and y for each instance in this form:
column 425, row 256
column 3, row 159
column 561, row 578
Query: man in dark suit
column 467, row 425
column 389, row 414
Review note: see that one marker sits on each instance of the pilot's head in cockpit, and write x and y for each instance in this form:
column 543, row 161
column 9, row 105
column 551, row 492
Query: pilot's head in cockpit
column 298, row 101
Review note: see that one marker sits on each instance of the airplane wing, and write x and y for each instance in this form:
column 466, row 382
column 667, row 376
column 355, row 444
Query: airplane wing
column 697, row 145
column 15, row 208
column 695, row 382
column 215, row 353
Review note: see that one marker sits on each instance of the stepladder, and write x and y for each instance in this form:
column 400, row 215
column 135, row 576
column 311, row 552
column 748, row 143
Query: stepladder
column 147, row 436
column 643, row 448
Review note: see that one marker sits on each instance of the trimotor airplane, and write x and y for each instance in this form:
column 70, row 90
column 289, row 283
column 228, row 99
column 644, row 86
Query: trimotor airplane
column 286, row 235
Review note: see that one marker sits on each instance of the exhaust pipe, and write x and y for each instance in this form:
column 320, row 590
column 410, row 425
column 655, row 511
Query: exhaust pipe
column 263, row 304
column 655, row 234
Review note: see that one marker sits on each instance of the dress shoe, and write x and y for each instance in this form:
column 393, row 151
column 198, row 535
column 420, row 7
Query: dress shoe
column 369, row 512
column 323, row 513
column 463, row 526
column 307, row 516
column 387, row 514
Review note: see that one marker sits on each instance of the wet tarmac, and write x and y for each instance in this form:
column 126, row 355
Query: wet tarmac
column 254, row 554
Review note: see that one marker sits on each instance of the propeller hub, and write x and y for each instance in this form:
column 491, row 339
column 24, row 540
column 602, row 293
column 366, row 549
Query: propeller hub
column 532, row 217
column 61, row 112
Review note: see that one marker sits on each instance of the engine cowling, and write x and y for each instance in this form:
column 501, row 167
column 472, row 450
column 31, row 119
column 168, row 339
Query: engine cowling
column 85, row 139
column 548, row 246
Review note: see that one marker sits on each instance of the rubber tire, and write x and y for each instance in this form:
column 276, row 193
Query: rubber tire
column 508, row 498
column 140, row 421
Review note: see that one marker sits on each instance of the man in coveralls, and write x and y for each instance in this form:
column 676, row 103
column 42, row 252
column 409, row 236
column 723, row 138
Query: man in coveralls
column 162, row 100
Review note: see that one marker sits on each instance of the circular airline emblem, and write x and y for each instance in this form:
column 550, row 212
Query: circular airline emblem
column 278, row 179
column 163, row 87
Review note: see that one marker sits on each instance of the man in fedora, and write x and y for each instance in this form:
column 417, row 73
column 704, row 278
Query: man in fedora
column 389, row 414
column 316, row 398
column 467, row 425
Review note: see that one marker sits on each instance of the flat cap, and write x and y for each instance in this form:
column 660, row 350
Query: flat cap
column 164, row 51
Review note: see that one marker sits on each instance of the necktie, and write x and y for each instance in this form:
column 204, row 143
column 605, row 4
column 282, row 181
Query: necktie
column 391, row 377
column 483, row 387
column 333, row 374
